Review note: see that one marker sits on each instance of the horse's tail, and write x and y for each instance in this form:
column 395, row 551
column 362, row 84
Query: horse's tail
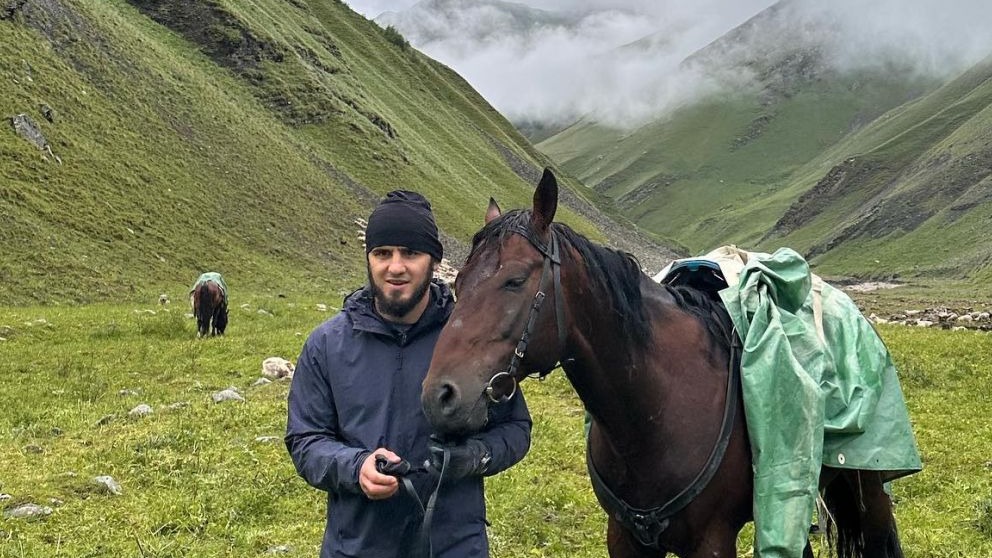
column 844, row 524
column 860, row 522
column 203, row 304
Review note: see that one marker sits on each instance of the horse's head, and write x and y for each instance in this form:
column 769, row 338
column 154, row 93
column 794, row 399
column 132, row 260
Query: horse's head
column 508, row 321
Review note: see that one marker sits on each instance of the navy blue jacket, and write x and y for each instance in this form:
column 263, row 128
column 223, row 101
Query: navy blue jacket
column 356, row 388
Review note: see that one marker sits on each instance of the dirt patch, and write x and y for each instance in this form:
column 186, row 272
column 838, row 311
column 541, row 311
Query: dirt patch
column 870, row 286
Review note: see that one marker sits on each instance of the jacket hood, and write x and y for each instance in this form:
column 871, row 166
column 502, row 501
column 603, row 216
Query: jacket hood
column 360, row 309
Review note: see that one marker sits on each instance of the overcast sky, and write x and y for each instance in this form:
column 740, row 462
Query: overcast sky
column 561, row 73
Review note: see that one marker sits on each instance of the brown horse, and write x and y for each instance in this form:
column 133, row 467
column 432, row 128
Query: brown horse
column 210, row 308
column 655, row 367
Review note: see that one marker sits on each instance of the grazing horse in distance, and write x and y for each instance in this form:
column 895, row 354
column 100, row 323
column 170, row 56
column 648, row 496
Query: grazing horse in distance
column 209, row 295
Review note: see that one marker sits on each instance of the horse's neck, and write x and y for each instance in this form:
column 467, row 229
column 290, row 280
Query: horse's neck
column 632, row 390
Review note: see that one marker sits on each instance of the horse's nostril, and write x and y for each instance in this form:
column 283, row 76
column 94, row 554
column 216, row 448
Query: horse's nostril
column 447, row 398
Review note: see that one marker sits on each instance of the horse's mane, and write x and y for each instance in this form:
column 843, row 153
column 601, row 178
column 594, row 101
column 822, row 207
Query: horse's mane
column 708, row 310
column 614, row 272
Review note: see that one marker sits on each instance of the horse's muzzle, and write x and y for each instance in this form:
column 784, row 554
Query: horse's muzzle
column 449, row 413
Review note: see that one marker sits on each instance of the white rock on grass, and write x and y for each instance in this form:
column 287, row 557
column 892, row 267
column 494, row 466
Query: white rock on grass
column 229, row 394
column 266, row 439
column 261, row 382
column 142, row 410
column 108, row 484
column 277, row 367
column 27, row 511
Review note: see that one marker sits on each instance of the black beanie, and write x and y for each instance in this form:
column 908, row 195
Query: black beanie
column 403, row 218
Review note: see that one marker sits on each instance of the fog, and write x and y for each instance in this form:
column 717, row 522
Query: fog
column 568, row 67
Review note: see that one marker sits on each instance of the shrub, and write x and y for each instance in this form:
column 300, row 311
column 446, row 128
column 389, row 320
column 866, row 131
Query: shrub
column 395, row 37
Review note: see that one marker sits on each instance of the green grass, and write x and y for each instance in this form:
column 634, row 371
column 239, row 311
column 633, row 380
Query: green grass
column 196, row 482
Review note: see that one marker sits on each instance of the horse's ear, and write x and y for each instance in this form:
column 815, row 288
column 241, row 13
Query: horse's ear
column 492, row 211
column 545, row 201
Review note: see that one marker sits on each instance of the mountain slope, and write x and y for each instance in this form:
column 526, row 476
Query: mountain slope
column 777, row 103
column 909, row 194
column 239, row 137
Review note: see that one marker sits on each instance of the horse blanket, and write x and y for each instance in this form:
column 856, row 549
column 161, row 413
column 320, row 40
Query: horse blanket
column 214, row 277
column 819, row 388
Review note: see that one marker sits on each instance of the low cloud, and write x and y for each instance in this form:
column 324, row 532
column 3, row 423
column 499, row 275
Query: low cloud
column 621, row 61
column 939, row 38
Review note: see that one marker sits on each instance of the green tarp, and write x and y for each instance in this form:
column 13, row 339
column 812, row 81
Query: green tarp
column 815, row 391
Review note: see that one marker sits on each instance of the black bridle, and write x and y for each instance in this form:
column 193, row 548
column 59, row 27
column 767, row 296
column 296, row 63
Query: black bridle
column 552, row 267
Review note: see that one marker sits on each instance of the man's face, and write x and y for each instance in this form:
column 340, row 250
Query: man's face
column 400, row 278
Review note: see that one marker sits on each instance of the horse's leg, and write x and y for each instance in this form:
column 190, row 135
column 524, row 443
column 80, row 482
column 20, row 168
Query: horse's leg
column 221, row 320
column 200, row 327
column 621, row 544
column 720, row 541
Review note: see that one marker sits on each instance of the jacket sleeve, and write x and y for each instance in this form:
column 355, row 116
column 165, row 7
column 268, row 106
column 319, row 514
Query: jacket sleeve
column 508, row 434
column 312, row 435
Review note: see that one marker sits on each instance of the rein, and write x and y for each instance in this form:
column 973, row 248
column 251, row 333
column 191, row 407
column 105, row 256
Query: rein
column 422, row 547
column 649, row 524
column 552, row 266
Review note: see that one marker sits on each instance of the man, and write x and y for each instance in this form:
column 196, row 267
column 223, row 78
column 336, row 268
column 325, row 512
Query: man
column 356, row 395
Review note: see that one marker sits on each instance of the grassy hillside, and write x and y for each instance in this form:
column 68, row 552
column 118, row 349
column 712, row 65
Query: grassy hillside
column 171, row 138
column 911, row 190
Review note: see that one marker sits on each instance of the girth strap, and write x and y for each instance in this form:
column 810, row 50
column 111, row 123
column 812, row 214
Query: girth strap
column 647, row 525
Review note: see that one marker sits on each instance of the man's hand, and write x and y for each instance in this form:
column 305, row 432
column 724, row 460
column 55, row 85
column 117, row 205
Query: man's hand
column 465, row 459
column 374, row 484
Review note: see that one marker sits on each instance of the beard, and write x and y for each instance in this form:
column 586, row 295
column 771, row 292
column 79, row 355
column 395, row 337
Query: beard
column 398, row 307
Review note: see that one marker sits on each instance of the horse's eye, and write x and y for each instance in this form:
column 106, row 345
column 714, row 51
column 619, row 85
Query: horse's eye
column 515, row 283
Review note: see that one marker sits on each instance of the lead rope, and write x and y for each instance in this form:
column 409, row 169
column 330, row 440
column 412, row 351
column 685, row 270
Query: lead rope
column 422, row 547
column 424, row 537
